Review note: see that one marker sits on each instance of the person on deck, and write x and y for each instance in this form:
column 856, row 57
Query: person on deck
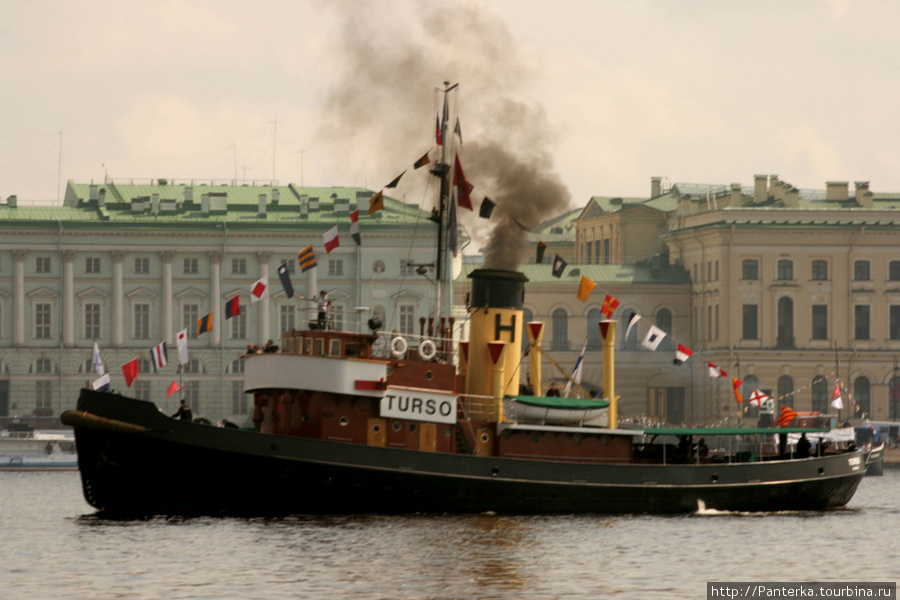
column 322, row 302
column 183, row 412
column 803, row 446
column 553, row 392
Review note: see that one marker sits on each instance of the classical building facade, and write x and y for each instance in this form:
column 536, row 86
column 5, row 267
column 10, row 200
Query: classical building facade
column 128, row 266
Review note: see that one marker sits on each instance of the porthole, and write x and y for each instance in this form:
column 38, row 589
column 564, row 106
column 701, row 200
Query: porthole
column 448, row 431
column 507, row 435
column 429, row 375
column 605, row 440
column 390, row 371
column 412, row 427
column 535, row 438
column 376, row 428
column 485, row 438
column 396, row 426
column 344, row 421
column 576, row 439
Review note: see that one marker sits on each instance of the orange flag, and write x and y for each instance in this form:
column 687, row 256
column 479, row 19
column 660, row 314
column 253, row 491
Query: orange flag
column 585, row 288
column 787, row 415
column 376, row 203
column 737, row 389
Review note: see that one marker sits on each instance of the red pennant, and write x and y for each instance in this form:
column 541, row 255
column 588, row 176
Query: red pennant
column 495, row 348
column 535, row 327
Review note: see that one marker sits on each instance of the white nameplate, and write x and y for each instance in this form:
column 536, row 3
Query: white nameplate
column 418, row 405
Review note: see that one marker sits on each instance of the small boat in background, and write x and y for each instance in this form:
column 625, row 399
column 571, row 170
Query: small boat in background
column 22, row 448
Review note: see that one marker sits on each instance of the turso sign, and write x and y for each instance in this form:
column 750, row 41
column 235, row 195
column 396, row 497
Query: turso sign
column 418, row 405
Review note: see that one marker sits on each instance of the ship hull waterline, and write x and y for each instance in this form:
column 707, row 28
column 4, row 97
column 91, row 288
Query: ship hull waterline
column 174, row 467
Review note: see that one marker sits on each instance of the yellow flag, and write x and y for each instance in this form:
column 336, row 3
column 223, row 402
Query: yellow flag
column 585, row 288
column 376, row 203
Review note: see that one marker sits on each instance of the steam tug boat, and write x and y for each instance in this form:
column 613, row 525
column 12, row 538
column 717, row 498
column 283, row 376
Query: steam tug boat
column 429, row 425
column 339, row 429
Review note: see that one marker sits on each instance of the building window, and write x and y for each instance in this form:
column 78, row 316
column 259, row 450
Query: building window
column 237, row 366
column 894, row 399
column 238, row 266
column 587, row 257
column 191, row 266
column 43, row 395
column 750, row 322
column 42, row 318
column 378, row 266
column 560, row 329
column 92, row 321
column 895, row 323
column 595, row 342
column 820, row 394
column 861, row 322
column 239, row 325
column 42, row 264
column 750, row 269
column 238, row 398
column 606, row 257
column 190, row 316
column 141, row 389
column 141, row 323
column 820, row 270
column 716, row 334
column 708, row 322
column 336, row 316
column 142, row 266
column 407, row 318
column 406, row 267
column 820, row 322
column 861, row 395
column 861, row 270
column 92, row 265
column 43, row 366
column 335, row 267
column 286, row 317
column 709, row 271
column 893, row 270
column 785, row 337
column 664, row 322
column 785, row 391
column 193, row 366
column 785, row 270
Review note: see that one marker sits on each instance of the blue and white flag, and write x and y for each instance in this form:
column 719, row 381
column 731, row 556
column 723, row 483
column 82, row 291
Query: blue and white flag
column 98, row 362
column 576, row 372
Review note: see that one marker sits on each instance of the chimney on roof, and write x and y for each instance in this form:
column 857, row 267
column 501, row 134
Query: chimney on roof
column 12, row 201
column 93, row 193
column 838, row 191
column 154, row 203
column 781, row 189
column 276, row 195
column 204, row 204
column 791, row 198
column 736, row 199
column 342, row 206
column 686, row 205
column 655, row 186
column 760, row 194
column 188, row 194
column 862, row 190
column 314, row 204
column 304, row 206
column 101, row 198
column 262, row 206
column 774, row 182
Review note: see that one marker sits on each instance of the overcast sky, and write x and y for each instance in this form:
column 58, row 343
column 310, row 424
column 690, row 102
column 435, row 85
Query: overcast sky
column 596, row 96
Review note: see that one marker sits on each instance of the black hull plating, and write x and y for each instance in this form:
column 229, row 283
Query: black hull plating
column 183, row 468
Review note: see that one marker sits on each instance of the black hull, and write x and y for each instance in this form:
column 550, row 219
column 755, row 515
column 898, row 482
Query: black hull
column 182, row 468
column 875, row 461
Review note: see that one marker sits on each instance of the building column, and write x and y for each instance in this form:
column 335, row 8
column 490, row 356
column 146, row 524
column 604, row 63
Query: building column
column 68, row 300
column 215, row 298
column 118, row 300
column 263, row 326
column 19, row 297
column 167, row 298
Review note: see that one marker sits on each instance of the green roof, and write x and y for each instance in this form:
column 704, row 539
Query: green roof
column 182, row 205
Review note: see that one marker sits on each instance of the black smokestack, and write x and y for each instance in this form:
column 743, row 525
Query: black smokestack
column 392, row 56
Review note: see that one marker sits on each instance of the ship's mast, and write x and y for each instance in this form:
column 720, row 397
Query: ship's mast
column 442, row 171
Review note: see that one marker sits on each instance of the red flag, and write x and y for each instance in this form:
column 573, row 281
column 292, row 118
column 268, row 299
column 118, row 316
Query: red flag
column 463, row 188
column 233, row 307
column 331, row 238
column 173, row 387
column 610, row 305
column 130, row 370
